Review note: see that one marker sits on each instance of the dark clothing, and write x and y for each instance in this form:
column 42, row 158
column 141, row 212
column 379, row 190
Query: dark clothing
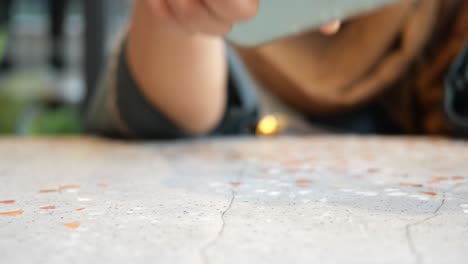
column 119, row 109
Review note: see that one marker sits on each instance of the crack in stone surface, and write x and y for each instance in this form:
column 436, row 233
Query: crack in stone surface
column 204, row 249
column 409, row 236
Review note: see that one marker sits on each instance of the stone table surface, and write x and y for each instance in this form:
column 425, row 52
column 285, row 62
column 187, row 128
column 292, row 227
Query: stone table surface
column 288, row 200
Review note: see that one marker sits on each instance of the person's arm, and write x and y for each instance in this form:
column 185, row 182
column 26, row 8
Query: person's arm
column 179, row 68
column 172, row 78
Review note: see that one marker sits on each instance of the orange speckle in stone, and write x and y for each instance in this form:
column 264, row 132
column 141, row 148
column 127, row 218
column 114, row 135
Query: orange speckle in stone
column 235, row 184
column 80, row 209
column 12, row 213
column 458, row 178
column 48, row 207
column 48, row 191
column 303, row 183
column 435, row 180
column 373, row 170
column 8, row 202
column 103, row 185
column 69, row 187
column 411, row 184
column 429, row 193
column 72, row 225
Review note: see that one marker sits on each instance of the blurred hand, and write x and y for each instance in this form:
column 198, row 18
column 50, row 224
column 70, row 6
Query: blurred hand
column 213, row 17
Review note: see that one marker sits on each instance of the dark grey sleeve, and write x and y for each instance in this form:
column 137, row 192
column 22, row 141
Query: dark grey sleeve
column 119, row 108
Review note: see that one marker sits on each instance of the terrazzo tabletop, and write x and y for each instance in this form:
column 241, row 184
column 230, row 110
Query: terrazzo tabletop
column 315, row 199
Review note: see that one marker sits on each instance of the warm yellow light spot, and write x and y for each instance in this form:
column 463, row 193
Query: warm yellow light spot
column 270, row 125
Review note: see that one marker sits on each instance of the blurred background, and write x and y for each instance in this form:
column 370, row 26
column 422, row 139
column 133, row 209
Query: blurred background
column 51, row 55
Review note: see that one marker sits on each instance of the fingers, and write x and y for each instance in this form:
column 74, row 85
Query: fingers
column 194, row 17
column 331, row 28
column 233, row 10
column 214, row 17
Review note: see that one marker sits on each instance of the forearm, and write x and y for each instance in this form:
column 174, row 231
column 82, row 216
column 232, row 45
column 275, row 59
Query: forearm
column 184, row 76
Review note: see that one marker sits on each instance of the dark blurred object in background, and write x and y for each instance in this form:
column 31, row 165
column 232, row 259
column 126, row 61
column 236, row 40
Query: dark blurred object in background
column 5, row 8
column 57, row 9
column 51, row 55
